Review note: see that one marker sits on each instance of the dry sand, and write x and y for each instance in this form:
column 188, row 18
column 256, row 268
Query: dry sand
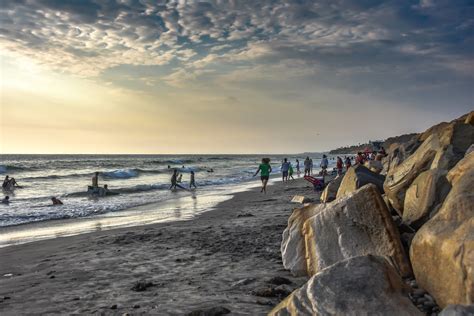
column 228, row 257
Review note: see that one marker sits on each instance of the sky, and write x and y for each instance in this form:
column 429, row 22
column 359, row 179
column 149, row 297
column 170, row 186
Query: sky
column 171, row 77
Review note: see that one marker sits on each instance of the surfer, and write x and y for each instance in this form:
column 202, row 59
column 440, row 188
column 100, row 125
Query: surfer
column 56, row 201
column 5, row 182
column 6, row 200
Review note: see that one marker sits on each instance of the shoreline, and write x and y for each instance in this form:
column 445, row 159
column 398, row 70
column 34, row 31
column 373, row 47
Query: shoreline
column 226, row 257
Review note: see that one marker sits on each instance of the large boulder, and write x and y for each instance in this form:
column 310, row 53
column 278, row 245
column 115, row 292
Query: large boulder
column 364, row 285
column 358, row 176
column 292, row 248
column 330, row 191
column 442, row 251
column 356, row 224
column 398, row 152
column 426, row 192
column 443, row 146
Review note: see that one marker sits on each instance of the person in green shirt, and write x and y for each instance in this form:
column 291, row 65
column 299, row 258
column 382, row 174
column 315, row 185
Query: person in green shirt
column 265, row 169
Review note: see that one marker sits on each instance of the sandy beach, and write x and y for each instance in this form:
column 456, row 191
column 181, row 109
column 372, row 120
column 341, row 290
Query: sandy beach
column 227, row 258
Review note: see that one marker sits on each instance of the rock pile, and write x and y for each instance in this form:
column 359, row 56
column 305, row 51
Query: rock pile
column 353, row 246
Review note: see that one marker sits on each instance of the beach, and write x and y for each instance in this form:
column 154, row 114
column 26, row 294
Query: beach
column 227, row 258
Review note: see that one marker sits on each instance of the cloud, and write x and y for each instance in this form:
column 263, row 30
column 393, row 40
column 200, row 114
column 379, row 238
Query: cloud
column 226, row 39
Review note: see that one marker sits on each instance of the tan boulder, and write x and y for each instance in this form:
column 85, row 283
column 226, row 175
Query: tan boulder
column 470, row 118
column 292, row 248
column 400, row 177
column 358, row 176
column 458, row 310
column 364, row 285
column 442, row 251
column 330, row 191
column 356, row 224
column 466, row 164
column 427, row 191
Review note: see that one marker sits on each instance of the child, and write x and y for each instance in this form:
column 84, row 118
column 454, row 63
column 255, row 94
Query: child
column 191, row 182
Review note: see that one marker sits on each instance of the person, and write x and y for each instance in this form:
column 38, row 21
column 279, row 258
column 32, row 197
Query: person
column 324, row 165
column 13, row 182
column 382, row 151
column 174, row 180
column 285, row 166
column 192, row 183
column 56, row 201
column 290, row 172
column 6, row 200
column 359, row 159
column 180, row 178
column 348, row 163
column 339, row 165
column 307, row 167
column 298, row 167
column 95, row 180
column 6, row 181
column 310, row 166
column 265, row 169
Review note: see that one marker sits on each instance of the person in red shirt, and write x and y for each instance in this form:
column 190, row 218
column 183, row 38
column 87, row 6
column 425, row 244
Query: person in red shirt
column 339, row 165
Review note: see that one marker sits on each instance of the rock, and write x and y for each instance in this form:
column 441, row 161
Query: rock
column 243, row 282
column 330, row 191
column 467, row 163
column 278, row 291
column 442, row 251
column 374, row 166
column 470, row 118
column 443, row 146
column 428, row 190
column 214, row 311
column 364, row 285
column 397, row 153
column 458, row 310
column 298, row 199
column 358, row 176
column 279, row 281
column 141, row 286
column 354, row 225
column 292, row 245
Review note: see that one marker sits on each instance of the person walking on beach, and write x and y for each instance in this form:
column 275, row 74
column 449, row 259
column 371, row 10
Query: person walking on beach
column 324, row 165
column 192, row 183
column 298, row 167
column 348, row 163
column 285, row 167
column 339, row 166
column 307, row 166
column 265, row 169
column 290, row 172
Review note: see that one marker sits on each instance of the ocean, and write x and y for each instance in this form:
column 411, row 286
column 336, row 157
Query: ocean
column 139, row 179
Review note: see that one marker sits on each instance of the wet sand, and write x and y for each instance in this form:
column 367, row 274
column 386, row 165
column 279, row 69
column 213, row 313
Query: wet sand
column 225, row 258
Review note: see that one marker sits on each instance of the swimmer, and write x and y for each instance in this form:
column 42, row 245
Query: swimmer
column 56, row 201
column 6, row 200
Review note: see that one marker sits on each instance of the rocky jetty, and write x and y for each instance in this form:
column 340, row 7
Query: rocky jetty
column 353, row 246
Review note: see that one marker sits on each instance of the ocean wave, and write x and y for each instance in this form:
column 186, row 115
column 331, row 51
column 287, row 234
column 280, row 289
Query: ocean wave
column 8, row 168
column 114, row 174
column 121, row 174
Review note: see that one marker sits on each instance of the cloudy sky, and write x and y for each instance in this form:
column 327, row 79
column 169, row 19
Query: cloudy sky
column 138, row 76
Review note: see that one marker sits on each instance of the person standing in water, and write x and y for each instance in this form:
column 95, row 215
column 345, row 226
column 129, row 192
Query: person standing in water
column 298, row 167
column 307, row 167
column 192, row 183
column 324, row 165
column 95, row 180
column 265, row 169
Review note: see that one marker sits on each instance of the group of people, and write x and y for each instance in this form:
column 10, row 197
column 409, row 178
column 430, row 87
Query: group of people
column 176, row 178
column 9, row 183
